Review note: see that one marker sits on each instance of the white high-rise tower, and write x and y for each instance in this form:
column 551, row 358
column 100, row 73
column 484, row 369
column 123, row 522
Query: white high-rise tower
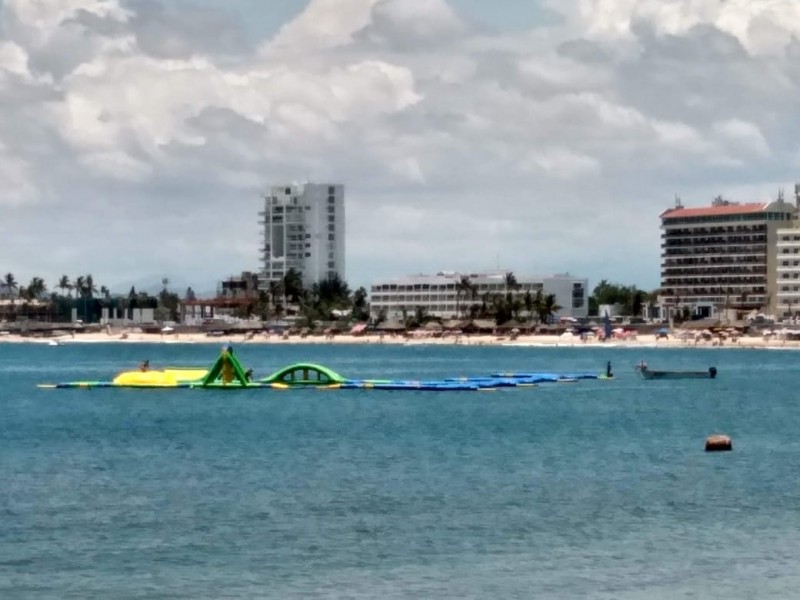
column 303, row 230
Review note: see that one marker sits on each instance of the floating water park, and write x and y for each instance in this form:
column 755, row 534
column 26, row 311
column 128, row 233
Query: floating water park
column 228, row 373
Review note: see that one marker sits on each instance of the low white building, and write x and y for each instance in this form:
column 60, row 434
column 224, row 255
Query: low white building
column 441, row 295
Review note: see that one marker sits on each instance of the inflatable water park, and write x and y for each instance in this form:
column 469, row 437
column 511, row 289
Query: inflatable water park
column 228, row 373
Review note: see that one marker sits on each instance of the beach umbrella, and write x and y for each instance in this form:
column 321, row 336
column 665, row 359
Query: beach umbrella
column 662, row 330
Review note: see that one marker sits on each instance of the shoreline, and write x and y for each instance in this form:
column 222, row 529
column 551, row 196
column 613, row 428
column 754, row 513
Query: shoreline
column 522, row 341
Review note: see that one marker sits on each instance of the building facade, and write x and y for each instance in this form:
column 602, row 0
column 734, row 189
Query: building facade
column 442, row 296
column 722, row 257
column 303, row 230
column 788, row 267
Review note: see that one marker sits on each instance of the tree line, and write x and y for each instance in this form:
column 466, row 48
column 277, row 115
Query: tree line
column 37, row 301
column 329, row 299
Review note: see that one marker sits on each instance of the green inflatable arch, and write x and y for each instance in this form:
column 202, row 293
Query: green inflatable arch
column 304, row 374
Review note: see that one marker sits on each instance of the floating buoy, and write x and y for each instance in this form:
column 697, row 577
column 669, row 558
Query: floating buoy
column 718, row 443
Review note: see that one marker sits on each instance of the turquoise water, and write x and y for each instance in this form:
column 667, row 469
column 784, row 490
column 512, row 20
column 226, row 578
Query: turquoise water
column 597, row 489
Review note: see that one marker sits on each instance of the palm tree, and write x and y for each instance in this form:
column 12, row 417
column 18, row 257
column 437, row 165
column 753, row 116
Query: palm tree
column 464, row 286
column 276, row 294
column 550, row 307
column 293, row 285
column 527, row 302
column 360, row 304
column 538, row 306
column 36, row 288
column 11, row 284
column 65, row 284
column 91, row 288
column 511, row 282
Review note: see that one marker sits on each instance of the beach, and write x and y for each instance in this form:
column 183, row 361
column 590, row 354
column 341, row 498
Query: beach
column 132, row 336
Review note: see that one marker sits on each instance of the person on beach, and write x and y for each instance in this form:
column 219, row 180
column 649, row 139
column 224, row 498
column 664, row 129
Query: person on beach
column 608, row 369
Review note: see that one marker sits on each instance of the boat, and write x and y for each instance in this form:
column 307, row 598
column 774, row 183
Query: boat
column 648, row 373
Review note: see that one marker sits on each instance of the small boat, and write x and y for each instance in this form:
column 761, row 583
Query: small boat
column 648, row 373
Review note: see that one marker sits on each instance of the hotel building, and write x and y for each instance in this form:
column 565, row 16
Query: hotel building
column 722, row 257
column 788, row 268
column 303, row 230
column 439, row 296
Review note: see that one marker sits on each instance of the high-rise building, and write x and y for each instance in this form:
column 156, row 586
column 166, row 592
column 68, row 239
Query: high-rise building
column 721, row 257
column 303, row 230
column 788, row 269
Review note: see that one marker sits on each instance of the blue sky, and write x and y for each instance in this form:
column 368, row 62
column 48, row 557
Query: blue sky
column 138, row 135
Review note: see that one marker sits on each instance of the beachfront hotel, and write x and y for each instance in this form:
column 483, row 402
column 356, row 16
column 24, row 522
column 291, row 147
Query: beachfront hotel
column 724, row 257
column 440, row 296
column 788, row 267
column 303, row 230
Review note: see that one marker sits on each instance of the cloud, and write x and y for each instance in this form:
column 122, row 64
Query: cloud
column 152, row 128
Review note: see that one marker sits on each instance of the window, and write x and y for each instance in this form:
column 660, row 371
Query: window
column 331, row 219
column 330, row 237
column 331, row 227
column 308, row 254
column 288, row 191
column 331, row 199
column 331, row 264
column 331, row 190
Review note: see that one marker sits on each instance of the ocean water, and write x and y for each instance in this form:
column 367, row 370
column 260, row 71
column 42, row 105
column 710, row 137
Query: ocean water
column 597, row 489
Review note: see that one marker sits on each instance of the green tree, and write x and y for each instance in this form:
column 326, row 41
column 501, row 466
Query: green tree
column 11, row 284
column 64, row 284
column 421, row 315
column 293, row 285
column 463, row 287
column 511, row 283
column 550, row 307
column 36, row 288
column 360, row 305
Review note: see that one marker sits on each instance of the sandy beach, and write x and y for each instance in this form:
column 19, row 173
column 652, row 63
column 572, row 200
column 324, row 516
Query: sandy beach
column 642, row 341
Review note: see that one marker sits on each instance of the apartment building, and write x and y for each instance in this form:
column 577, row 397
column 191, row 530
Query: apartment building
column 441, row 295
column 303, row 230
column 720, row 257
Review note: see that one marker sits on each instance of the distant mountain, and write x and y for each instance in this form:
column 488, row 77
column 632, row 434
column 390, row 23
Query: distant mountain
column 154, row 285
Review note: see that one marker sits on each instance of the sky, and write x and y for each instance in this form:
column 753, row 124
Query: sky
column 138, row 136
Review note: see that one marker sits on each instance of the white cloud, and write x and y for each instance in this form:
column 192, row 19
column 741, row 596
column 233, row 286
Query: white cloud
column 441, row 133
column 743, row 137
column 763, row 26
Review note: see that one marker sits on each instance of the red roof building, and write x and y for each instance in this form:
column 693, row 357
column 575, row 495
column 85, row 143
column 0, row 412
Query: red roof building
column 721, row 256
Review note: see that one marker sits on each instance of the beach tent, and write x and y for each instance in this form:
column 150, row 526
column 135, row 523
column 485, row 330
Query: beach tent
column 479, row 326
column 391, row 326
column 358, row 329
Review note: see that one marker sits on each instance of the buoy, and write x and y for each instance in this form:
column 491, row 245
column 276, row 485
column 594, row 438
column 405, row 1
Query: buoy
column 718, row 443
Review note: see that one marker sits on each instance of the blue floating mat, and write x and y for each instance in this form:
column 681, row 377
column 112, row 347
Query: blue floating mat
column 547, row 376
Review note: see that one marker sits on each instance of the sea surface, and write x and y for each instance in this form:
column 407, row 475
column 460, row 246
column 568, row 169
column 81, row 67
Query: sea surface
column 596, row 489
